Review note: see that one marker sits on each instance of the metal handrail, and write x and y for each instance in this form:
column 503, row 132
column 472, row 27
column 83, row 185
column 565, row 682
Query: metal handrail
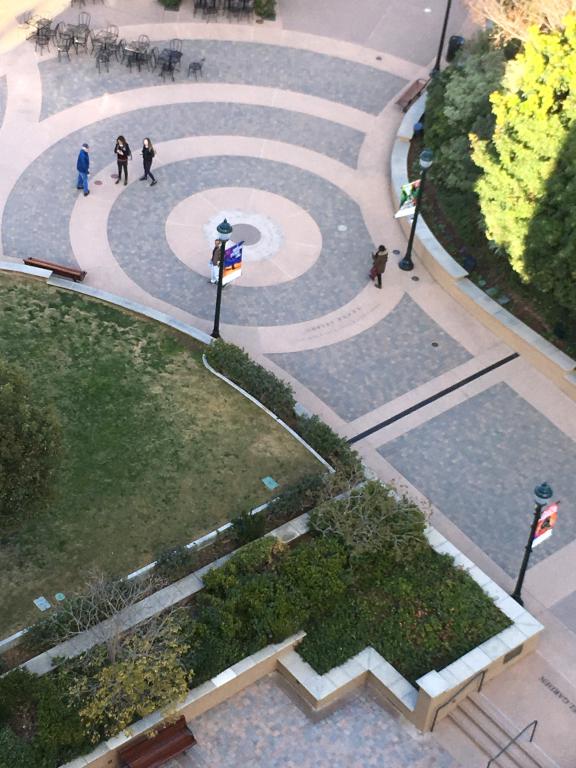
column 532, row 725
column 451, row 700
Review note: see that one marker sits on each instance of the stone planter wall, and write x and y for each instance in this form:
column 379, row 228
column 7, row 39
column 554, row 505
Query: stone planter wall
column 553, row 363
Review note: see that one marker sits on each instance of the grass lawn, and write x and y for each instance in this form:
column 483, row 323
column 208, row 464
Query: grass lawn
column 156, row 452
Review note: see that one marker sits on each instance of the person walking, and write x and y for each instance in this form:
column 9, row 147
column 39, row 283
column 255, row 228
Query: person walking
column 148, row 154
column 215, row 261
column 379, row 260
column 122, row 152
column 83, row 168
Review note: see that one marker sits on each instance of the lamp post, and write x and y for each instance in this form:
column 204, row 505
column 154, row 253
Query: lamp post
column 425, row 162
column 224, row 231
column 436, row 67
column 542, row 496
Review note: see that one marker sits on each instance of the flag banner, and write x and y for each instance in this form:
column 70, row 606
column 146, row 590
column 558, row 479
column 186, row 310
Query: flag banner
column 408, row 195
column 232, row 263
column 546, row 523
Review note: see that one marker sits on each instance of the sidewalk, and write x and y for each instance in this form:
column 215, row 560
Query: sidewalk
column 289, row 133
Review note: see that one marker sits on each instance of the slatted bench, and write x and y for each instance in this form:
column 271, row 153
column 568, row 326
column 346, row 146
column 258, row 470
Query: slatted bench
column 411, row 93
column 59, row 269
column 144, row 752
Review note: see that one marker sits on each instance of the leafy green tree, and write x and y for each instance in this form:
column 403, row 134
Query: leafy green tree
column 458, row 104
column 29, row 445
column 527, row 186
column 147, row 674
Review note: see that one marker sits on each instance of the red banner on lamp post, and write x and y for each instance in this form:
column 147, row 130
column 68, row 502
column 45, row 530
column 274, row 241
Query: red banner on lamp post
column 546, row 523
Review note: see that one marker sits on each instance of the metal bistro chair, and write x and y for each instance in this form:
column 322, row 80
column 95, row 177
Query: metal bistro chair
column 103, row 59
column 235, row 8
column 113, row 30
column 120, row 50
column 144, row 42
column 195, row 68
column 81, row 38
column 43, row 36
column 84, row 19
column 63, row 44
column 150, row 58
column 175, row 45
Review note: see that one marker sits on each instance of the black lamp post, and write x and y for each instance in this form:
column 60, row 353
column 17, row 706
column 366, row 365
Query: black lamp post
column 224, row 231
column 425, row 162
column 542, row 496
column 436, row 67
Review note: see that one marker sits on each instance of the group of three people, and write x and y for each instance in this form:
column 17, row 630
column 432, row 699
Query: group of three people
column 123, row 154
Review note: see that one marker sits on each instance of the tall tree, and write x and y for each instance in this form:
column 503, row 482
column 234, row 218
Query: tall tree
column 528, row 167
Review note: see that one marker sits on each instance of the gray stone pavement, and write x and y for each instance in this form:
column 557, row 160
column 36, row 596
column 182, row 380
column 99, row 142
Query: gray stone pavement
column 252, row 64
column 263, row 727
column 393, row 357
column 478, row 461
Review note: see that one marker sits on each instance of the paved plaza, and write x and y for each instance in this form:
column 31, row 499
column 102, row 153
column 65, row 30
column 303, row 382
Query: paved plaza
column 288, row 134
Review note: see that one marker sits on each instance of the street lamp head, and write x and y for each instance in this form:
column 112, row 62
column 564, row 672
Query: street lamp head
column 543, row 493
column 224, row 230
column 426, row 159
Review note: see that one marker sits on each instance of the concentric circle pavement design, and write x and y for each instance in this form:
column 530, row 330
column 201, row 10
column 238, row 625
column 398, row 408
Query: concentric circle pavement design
column 333, row 279
column 281, row 240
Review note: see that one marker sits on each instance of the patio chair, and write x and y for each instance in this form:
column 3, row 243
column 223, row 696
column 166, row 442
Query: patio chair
column 84, row 19
column 175, row 45
column 63, row 46
column 42, row 40
column 235, row 8
column 113, row 30
column 195, row 68
column 144, row 41
column 81, row 39
column 120, row 50
column 150, row 58
column 103, row 59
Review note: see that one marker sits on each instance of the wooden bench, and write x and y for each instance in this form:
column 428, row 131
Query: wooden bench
column 75, row 274
column 411, row 94
column 144, row 752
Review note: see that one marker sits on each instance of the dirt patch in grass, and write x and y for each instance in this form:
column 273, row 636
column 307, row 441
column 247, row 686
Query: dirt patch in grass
column 157, row 451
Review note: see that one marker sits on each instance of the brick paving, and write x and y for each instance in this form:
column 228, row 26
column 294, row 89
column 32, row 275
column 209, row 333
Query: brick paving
column 262, row 727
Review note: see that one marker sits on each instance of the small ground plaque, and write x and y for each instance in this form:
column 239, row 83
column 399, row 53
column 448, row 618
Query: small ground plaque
column 41, row 603
column 60, row 596
column 270, row 483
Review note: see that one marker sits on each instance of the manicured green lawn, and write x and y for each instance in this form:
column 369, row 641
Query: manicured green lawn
column 157, row 450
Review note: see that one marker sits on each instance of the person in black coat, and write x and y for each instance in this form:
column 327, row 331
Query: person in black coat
column 122, row 152
column 147, row 157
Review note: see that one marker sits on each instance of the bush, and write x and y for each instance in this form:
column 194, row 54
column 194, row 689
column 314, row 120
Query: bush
column 236, row 365
column 247, row 527
column 176, row 563
column 374, row 518
column 171, row 5
column 266, row 9
column 331, row 446
column 30, row 442
column 301, row 496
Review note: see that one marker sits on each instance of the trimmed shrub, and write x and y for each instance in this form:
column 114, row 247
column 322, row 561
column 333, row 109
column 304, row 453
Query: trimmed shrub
column 331, row 446
column 236, row 365
column 266, row 9
column 247, row 527
column 176, row 563
column 301, row 496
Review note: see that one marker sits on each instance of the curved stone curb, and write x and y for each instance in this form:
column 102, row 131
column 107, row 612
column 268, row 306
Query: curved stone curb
column 109, row 298
column 270, row 413
column 554, row 363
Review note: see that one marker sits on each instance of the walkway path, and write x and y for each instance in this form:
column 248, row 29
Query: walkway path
column 289, row 136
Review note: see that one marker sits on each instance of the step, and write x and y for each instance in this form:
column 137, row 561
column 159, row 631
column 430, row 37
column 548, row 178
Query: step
column 490, row 730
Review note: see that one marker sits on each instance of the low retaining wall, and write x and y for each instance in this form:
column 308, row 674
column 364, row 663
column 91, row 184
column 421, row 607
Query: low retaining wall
column 433, row 697
column 553, row 363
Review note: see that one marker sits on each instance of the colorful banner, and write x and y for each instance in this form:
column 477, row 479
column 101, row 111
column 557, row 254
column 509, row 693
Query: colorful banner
column 548, row 518
column 408, row 195
column 232, row 263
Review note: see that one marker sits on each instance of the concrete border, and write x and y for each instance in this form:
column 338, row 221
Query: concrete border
column 435, row 695
column 552, row 362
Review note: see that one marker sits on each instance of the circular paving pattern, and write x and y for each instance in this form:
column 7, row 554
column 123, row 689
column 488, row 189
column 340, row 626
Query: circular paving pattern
column 289, row 241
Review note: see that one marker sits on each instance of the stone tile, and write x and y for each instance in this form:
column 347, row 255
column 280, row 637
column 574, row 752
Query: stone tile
column 479, row 463
column 378, row 365
column 565, row 610
column 262, row 727
column 288, row 69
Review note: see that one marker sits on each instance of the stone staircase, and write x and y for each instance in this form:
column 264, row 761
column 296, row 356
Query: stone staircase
column 476, row 731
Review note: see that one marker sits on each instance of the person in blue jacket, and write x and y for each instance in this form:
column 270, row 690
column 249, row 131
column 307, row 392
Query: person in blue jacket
column 83, row 168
